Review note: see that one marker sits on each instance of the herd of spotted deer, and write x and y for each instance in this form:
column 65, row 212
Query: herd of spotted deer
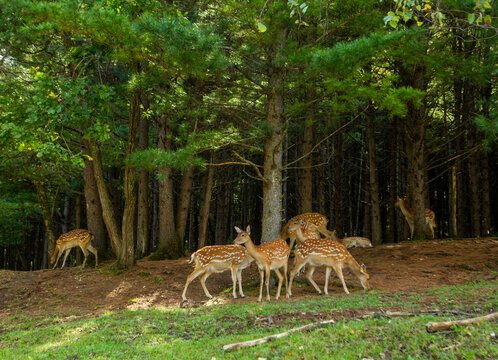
column 311, row 250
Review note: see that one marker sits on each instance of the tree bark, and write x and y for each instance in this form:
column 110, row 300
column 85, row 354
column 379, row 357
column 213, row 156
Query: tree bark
column 168, row 245
column 338, row 205
column 206, row 204
column 46, row 208
column 94, row 219
column 183, row 205
column 374, row 187
column 108, row 211
column 223, row 206
column 307, row 161
column 453, row 203
column 143, row 194
column 393, row 165
column 415, row 134
column 126, row 258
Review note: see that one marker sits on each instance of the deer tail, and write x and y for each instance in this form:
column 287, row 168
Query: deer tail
column 192, row 258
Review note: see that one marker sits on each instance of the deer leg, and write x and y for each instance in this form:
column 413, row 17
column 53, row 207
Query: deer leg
column 261, row 279
column 58, row 257
column 338, row 270
column 280, row 278
column 191, row 277
column 309, row 274
column 65, row 257
column 285, row 279
column 327, row 275
column 234, row 281
column 94, row 252
column 267, row 282
column 239, row 277
column 85, row 253
column 294, row 271
column 203, row 283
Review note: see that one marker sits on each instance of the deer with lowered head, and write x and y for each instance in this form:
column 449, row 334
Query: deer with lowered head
column 67, row 241
column 324, row 252
column 314, row 222
column 215, row 259
column 272, row 255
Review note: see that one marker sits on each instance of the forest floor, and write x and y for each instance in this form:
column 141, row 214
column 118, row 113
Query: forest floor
column 406, row 267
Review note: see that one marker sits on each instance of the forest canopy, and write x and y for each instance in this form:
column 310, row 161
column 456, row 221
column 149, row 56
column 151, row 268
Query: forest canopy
column 161, row 125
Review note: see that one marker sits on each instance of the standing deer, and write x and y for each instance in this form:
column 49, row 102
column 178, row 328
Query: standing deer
column 272, row 255
column 67, row 241
column 324, row 252
column 216, row 259
column 430, row 217
column 318, row 220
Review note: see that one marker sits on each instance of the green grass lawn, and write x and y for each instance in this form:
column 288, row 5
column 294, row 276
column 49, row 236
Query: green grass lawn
column 200, row 333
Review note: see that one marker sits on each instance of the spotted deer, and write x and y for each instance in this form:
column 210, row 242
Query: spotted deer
column 430, row 217
column 216, row 259
column 355, row 241
column 67, row 241
column 324, row 252
column 272, row 255
column 318, row 220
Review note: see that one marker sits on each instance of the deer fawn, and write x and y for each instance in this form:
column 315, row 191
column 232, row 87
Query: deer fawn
column 269, row 256
column 324, row 252
column 67, row 241
column 355, row 241
column 318, row 220
column 215, row 259
column 430, row 217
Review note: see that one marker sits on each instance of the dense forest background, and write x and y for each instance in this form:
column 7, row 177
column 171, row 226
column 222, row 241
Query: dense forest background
column 159, row 125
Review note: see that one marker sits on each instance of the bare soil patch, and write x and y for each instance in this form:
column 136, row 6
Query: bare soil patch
column 75, row 293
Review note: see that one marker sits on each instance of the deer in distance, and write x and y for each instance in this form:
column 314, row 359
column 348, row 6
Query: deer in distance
column 324, row 252
column 67, row 241
column 272, row 255
column 353, row 241
column 216, row 259
column 430, row 217
column 318, row 220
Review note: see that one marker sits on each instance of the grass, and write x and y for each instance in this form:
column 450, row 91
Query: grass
column 200, row 333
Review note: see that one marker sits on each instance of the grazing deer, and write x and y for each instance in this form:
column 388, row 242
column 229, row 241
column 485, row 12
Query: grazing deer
column 324, row 252
column 67, row 241
column 318, row 220
column 430, row 217
column 216, row 259
column 269, row 256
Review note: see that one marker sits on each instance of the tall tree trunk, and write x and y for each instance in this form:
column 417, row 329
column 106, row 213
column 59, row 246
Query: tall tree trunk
column 143, row 193
column 338, row 204
column 126, row 258
column 46, row 208
column 223, row 206
column 183, row 205
column 307, row 161
column 273, row 149
column 468, row 111
column 206, row 205
column 453, row 204
column 392, row 182
column 485, row 202
column 108, row 211
column 94, row 219
column 168, row 244
column 374, row 187
column 415, row 134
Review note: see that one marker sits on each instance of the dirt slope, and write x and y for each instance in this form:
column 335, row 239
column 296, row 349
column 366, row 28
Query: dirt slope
column 393, row 267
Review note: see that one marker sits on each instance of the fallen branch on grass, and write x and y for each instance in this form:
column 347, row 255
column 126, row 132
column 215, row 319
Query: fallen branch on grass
column 276, row 336
column 436, row 326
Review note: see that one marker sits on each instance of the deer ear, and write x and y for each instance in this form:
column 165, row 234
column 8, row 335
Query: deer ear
column 237, row 229
column 248, row 229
